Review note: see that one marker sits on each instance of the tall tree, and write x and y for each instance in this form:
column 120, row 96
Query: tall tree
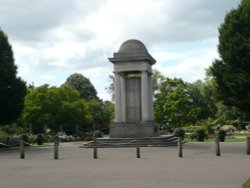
column 157, row 79
column 54, row 107
column 174, row 105
column 102, row 113
column 12, row 88
column 83, row 85
column 232, row 71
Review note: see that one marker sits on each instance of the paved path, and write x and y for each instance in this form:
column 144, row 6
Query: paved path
column 119, row 168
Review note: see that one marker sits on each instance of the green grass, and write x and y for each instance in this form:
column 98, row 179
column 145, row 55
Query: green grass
column 235, row 139
column 246, row 184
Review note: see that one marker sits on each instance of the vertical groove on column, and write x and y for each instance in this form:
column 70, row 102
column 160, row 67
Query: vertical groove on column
column 117, row 98
column 145, row 96
column 123, row 97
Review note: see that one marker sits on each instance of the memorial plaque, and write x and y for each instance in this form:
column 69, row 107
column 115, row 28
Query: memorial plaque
column 133, row 99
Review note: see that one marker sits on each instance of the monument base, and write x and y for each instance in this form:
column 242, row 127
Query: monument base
column 126, row 130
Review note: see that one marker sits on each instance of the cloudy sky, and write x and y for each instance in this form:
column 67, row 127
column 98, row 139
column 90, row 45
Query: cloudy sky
column 53, row 39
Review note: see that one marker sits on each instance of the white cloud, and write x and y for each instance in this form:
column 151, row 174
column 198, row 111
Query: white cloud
column 47, row 77
column 62, row 37
column 190, row 65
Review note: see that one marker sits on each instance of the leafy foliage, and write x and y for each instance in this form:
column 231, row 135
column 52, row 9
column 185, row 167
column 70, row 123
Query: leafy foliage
column 55, row 107
column 232, row 71
column 157, row 79
column 83, row 86
column 174, row 105
column 102, row 113
column 12, row 88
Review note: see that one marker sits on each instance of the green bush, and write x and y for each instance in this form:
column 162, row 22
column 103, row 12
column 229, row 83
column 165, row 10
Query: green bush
column 201, row 135
column 13, row 129
column 40, row 139
column 179, row 132
column 98, row 134
column 3, row 134
column 25, row 138
column 32, row 138
column 221, row 135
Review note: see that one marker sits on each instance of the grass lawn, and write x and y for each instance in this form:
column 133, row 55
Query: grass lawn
column 235, row 139
column 246, row 184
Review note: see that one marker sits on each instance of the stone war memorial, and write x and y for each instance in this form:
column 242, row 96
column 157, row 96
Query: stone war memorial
column 133, row 92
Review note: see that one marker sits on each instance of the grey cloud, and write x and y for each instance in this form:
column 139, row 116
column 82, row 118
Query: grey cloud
column 48, row 64
column 93, row 58
column 187, row 21
column 32, row 20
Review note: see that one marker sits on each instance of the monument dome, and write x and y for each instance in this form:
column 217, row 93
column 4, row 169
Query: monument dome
column 133, row 46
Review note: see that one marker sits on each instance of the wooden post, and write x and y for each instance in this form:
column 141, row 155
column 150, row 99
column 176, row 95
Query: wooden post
column 248, row 145
column 217, row 146
column 22, row 153
column 94, row 148
column 56, row 144
column 138, row 153
column 180, row 147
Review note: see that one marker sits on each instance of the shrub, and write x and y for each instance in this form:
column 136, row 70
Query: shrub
column 32, row 138
column 221, row 135
column 3, row 134
column 179, row 132
column 25, row 138
column 13, row 129
column 40, row 139
column 201, row 135
column 98, row 134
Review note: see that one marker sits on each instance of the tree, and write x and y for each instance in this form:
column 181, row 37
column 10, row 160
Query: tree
column 83, row 85
column 54, row 107
column 203, row 97
column 12, row 88
column 111, row 88
column 174, row 105
column 157, row 79
column 232, row 71
column 102, row 114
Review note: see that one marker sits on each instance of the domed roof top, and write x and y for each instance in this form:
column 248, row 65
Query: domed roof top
column 133, row 46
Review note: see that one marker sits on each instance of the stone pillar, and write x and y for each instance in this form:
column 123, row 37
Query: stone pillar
column 151, row 96
column 145, row 107
column 118, row 113
column 123, row 97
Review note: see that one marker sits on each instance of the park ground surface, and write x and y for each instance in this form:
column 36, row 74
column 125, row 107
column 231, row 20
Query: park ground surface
column 119, row 167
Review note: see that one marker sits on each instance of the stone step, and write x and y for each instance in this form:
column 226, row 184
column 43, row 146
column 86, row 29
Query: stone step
column 160, row 141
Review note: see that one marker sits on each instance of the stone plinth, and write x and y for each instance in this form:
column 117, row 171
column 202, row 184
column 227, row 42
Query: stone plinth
column 124, row 130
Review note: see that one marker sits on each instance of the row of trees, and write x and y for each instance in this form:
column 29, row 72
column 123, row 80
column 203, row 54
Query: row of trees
column 178, row 103
column 72, row 106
